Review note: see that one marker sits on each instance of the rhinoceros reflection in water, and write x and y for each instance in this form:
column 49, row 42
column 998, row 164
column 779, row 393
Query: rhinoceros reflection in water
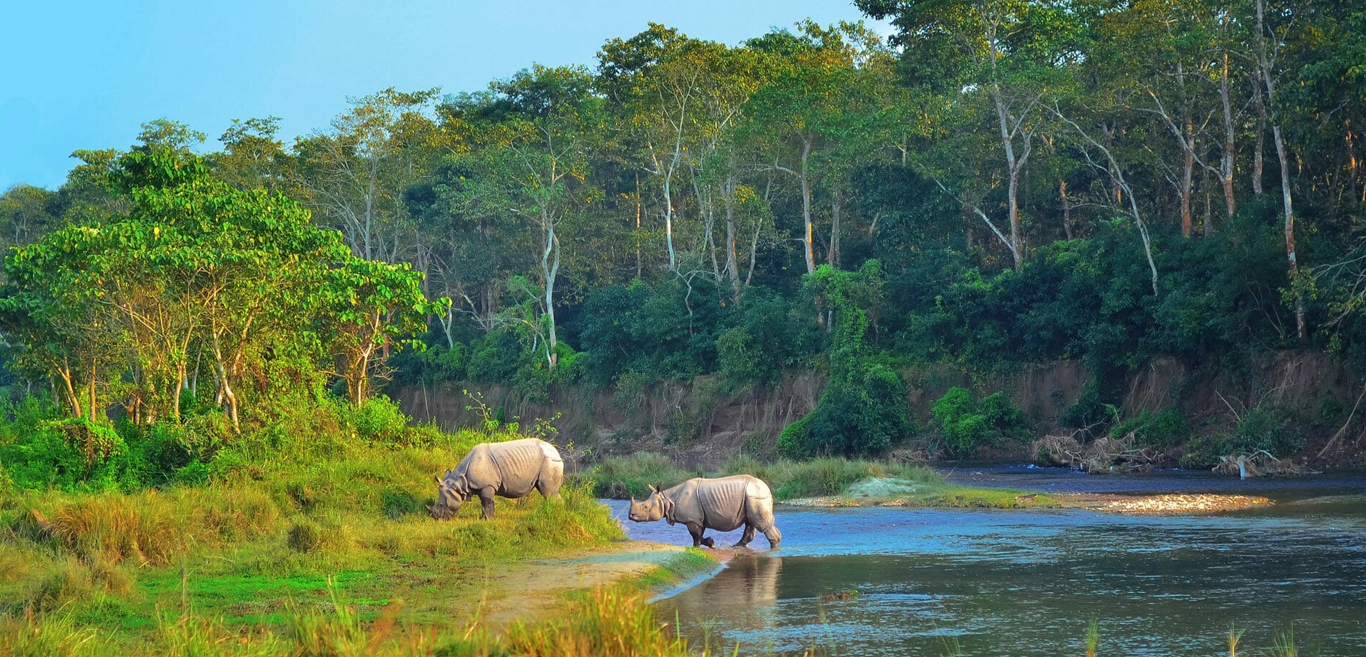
column 745, row 592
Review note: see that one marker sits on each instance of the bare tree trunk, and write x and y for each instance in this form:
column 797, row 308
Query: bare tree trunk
column 639, row 262
column 1300, row 329
column 69, row 391
column 669, row 222
column 833, row 257
column 732, row 266
column 1187, row 170
column 1066, row 209
column 1269, row 84
column 808, row 247
column 1257, row 158
column 550, row 269
column 1013, row 166
column 1226, row 162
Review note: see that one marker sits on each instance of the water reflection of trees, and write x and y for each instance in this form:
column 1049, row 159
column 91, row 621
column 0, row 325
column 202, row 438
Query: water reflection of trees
column 744, row 595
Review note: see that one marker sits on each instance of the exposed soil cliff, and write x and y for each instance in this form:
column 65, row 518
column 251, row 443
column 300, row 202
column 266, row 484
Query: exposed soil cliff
column 701, row 422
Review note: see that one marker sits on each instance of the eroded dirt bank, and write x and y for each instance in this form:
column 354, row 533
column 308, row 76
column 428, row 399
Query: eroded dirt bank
column 700, row 422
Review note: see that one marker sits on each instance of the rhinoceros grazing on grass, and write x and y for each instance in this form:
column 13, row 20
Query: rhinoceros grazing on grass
column 511, row 469
column 721, row 504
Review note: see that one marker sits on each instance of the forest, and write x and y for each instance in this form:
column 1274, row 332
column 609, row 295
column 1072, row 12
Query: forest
column 995, row 184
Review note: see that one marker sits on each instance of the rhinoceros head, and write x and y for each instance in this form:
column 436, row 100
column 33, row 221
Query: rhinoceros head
column 449, row 497
column 650, row 510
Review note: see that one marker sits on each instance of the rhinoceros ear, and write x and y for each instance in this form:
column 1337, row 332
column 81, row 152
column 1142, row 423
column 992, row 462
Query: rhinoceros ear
column 440, row 482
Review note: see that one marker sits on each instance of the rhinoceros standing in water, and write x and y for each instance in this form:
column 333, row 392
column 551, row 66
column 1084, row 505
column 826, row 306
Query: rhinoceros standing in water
column 511, row 469
column 721, row 504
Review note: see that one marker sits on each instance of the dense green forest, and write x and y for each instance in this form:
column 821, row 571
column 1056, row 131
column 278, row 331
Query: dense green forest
column 997, row 183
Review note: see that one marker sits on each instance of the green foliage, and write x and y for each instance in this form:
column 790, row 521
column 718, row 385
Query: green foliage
column 198, row 277
column 1262, row 428
column 770, row 336
column 966, row 425
column 1163, row 429
column 863, row 409
column 621, row 477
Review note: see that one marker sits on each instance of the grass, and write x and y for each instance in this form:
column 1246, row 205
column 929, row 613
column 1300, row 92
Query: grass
column 916, row 485
column 607, row 622
column 263, row 540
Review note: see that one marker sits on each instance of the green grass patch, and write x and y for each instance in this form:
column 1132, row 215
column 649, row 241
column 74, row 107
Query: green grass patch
column 282, row 525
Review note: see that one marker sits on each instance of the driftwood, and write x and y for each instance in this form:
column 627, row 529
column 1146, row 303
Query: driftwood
column 1103, row 454
column 1258, row 464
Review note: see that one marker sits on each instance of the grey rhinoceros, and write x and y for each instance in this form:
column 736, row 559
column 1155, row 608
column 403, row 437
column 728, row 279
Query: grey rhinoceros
column 721, row 504
column 511, row 469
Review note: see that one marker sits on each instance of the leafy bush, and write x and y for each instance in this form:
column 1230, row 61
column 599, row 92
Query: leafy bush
column 1087, row 410
column 666, row 331
column 769, row 337
column 440, row 363
column 1263, row 428
column 1163, row 429
column 620, row 477
column 70, row 454
column 966, row 425
column 377, row 420
column 863, row 409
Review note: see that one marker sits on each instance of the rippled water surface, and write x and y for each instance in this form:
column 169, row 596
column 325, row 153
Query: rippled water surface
column 1027, row 582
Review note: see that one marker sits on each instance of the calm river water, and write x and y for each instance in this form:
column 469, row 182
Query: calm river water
column 1024, row 583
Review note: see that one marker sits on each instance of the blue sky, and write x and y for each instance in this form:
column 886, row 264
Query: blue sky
column 88, row 74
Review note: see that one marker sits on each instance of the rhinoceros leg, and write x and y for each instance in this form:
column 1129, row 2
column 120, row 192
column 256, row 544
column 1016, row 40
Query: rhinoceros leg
column 549, row 486
column 774, row 536
column 486, row 497
column 697, row 539
column 746, row 537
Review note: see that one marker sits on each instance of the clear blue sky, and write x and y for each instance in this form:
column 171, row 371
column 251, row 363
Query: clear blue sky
column 88, row 74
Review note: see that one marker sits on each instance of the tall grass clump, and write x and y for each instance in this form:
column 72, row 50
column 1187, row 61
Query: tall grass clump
column 824, row 476
column 620, row 477
column 629, row 476
column 27, row 635
column 609, row 623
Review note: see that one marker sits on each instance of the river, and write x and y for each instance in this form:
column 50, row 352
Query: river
column 1025, row 583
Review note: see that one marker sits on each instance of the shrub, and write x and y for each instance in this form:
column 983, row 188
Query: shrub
column 863, row 408
column 770, row 336
column 69, row 454
column 304, row 536
column 440, row 363
column 966, row 425
column 620, row 477
column 377, row 420
column 1162, row 429
column 1263, row 428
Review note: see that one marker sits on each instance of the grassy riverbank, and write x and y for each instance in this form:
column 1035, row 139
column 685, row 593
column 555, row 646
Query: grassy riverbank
column 310, row 537
column 832, row 481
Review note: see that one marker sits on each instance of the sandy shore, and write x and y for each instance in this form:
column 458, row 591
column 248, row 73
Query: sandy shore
column 1171, row 504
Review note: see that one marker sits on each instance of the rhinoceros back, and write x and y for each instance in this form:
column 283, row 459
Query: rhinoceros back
column 722, row 501
column 520, row 462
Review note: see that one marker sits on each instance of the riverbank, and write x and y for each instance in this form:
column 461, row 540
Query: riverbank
column 818, row 482
column 320, row 545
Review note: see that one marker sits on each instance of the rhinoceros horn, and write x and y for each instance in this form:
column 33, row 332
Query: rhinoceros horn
column 440, row 481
